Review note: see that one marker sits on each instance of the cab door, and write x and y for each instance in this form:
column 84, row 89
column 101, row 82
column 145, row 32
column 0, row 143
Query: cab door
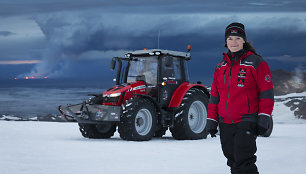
column 171, row 77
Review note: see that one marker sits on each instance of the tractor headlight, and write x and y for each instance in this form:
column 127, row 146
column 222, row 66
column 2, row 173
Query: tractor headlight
column 115, row 94
column 157, row 53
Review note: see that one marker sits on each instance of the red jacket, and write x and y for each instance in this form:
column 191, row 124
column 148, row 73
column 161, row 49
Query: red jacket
column 242, row 91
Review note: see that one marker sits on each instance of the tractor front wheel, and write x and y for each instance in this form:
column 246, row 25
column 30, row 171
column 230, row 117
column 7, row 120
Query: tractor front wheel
column 138, row 121
column 97, row 131
column 190, row 118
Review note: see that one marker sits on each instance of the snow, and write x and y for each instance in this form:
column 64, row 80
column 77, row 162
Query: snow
column 32, row 147
column 9, row 117
column 45, row 147
column 291, row 95
column 282, row 114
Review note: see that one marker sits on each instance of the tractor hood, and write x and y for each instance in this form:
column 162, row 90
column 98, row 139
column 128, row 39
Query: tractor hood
column 119, row 94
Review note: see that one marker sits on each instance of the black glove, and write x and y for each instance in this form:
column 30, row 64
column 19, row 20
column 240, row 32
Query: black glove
column 211, row 127
column 262, row 124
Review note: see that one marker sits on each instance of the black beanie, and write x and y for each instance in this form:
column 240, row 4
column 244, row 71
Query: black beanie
column 235, row 29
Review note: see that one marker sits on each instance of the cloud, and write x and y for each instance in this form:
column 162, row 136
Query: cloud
column 288, row 58
column 273, row 3
column 35, row 7
column 74, row 36
column 96, row 55
column 92, row 35
column 6, row 33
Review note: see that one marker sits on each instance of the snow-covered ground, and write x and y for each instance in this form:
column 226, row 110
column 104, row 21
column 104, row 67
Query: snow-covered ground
column 282, row 113
column 49, row 148
column 31, row 147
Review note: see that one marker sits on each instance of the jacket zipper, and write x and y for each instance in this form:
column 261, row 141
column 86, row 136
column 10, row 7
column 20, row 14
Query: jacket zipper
column 229, row 82
column 224, row 75
column 248, row 102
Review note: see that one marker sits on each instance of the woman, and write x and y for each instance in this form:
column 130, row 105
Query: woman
column 241, row 101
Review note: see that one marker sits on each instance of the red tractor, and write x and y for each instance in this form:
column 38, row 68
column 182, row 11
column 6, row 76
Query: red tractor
column 152, row 94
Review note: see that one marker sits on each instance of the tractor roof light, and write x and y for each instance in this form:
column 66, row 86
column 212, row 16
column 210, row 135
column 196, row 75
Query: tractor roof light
column 151, row 54
column 157, row 53
column 188, row 48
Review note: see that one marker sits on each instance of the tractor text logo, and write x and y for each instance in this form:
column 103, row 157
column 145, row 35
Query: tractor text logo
column 139, row 87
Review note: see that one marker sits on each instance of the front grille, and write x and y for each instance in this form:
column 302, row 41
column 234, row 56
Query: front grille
column 111, row 99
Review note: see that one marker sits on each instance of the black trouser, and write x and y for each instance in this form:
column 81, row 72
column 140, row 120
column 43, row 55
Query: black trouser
column 239, row 146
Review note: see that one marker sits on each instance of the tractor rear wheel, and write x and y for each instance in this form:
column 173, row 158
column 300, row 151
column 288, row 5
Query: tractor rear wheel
column 190, row 119
column 138, row 121
column 97, row 131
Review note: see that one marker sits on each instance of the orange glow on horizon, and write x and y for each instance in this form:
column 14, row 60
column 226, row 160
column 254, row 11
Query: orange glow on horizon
column 17, row 62
column 30, row 78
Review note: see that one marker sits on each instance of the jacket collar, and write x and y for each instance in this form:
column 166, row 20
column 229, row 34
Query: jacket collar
column 227, row 59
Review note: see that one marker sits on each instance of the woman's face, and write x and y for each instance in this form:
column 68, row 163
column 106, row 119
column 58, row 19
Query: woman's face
column 235, row 43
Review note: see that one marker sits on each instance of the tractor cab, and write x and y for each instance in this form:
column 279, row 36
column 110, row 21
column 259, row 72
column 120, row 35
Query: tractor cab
column 161, row 70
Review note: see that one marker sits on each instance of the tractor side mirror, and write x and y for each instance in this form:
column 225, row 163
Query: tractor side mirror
column 169, row 61
column 113, row 64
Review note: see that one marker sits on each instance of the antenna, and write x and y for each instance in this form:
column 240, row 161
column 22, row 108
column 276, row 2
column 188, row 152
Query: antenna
column 158, row 39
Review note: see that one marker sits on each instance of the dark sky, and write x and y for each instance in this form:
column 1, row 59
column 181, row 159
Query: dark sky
column 76, row 39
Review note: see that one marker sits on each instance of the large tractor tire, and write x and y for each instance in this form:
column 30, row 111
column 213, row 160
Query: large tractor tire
column 138, row 121
column 269, row 131
column 190, row 119
column 97, row 131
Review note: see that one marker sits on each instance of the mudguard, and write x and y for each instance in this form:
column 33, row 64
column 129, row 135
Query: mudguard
column 180, row 92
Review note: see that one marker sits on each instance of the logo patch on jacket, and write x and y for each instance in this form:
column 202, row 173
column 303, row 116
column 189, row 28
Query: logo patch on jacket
column 240, row 82
column 268, row 78
column 242, row 73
